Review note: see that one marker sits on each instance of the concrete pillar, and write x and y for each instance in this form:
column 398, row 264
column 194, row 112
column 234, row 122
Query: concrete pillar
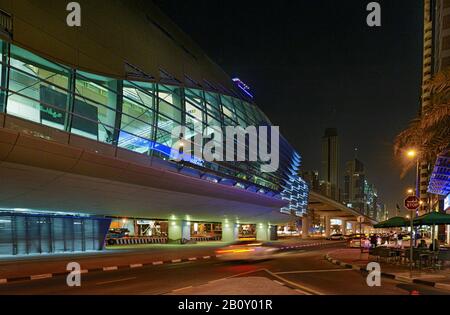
column 344, row 227
column 179, row 229
column 327, row 226
column 230, row 232
column 305, row 227
column 262, row 232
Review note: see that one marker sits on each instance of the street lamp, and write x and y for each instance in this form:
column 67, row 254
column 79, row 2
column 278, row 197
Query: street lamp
column 410, row 191
column 411, row 153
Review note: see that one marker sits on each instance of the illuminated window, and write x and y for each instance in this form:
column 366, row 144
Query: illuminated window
column 136, row 131
column 37, row 89
column 94, row 111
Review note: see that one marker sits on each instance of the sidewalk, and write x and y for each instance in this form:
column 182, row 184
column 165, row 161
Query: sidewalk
column 352, row 258
column 21, row 267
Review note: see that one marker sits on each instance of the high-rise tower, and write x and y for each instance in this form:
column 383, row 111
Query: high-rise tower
column 330, row 162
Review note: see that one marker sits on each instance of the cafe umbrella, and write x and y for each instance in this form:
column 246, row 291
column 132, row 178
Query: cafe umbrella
column 433, row 219
column 392, row 223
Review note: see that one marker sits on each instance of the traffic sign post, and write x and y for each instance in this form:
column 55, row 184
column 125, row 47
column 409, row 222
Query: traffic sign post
column 412, row 203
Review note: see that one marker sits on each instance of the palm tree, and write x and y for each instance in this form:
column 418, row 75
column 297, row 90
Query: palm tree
column 430, row 132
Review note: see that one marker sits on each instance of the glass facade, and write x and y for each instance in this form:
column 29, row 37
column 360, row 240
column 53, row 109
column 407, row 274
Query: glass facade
column 24, row 233
column 134, row 115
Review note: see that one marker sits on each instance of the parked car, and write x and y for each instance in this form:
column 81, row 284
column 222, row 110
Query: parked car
column 355, row 242
column 247, row 250
column 336, row 237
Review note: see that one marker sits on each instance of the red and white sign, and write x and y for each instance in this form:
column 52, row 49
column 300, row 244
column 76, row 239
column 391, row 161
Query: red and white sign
column 412, row 203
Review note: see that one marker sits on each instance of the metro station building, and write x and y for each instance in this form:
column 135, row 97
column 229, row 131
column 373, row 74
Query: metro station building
column 86, row 115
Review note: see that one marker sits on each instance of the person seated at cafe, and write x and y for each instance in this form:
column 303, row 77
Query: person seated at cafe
column 422, row 244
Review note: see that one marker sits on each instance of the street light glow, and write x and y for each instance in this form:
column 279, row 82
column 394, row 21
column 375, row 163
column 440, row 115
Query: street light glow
column 410, row 191
column 411, row 153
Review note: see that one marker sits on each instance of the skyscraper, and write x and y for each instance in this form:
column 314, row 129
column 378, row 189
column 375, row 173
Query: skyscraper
column 436, row 57
column 354, row 184
column 330, row 162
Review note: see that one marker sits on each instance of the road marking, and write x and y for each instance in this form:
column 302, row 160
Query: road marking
column 114, row 281
column 280, row 283
column 176, row 260
column 136, row 266
column 181, row 289
column 310, row 271
column 44, row 276
column 306, row 289
column 157, row 263
column 302, row 292
column 110, row 268
column 206, row 257
column 192, row 258
column 2, row 281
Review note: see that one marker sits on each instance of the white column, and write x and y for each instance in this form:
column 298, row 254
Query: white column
column 262, row 232
column 344, row 227
column 230, row 232
column 179, row 229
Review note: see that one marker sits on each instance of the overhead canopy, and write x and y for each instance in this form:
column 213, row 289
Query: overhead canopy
column 393, row 222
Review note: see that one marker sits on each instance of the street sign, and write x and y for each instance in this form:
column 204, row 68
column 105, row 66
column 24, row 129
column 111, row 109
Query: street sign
column 412, row 203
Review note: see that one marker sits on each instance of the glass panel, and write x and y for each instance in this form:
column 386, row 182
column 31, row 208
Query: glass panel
column 3, row 74
column 250, row 114
column 228, row 111
column 6, row 236
column 137, row 118
column 94, row 112
column 38, row 89
column 213, row 105
column 169, row 107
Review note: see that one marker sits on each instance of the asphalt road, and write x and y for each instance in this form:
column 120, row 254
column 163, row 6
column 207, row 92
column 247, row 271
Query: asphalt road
column 306, row 270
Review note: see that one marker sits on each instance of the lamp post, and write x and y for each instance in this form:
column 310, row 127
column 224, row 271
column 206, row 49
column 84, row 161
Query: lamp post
column 413, row 154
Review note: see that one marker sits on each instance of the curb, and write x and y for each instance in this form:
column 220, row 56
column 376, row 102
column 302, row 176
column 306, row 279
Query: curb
column 133, row 266
column 437, row 285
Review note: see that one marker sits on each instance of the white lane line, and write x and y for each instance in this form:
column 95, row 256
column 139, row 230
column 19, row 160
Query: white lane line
column 192, row 258
column 311, row 271
column 206, row 257
column 114, row 281
column 302, row 292
column 136, row 265
column 44, row 276
column 176, row 260
column 302, row 287
column 280, row 283
column 110, row 268
column 181, row 289
column 157, row 263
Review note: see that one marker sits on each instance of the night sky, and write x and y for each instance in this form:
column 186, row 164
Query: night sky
column 316, row 64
